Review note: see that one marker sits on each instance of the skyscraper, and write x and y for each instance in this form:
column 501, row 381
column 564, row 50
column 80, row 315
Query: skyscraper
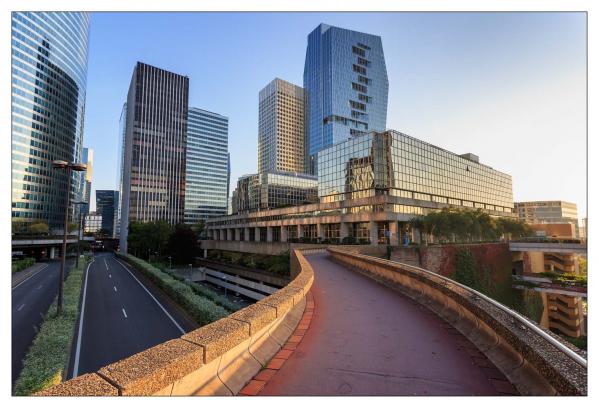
column 107, row 207
column 207, row 167
column 49, row 69
column 281, row 128
column 85, row 187
column 346, row 88
column 154, row 149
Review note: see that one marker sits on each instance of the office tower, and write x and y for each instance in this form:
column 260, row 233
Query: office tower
column 49, row 69
column 121, row 156
column 155, row 143
column 346, row 88
column 548, row 212
column 85, row 187
column 107, row 207
column 207, row 167
column 281, row 128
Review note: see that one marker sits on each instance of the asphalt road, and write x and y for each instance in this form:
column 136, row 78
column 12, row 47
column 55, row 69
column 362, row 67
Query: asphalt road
column 30, row 302
column 121, row 316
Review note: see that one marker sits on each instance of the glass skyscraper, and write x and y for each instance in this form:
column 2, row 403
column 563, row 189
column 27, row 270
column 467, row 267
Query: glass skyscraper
column 107, row 207
column 207, row 165
column 49, row 69
column 346, row 88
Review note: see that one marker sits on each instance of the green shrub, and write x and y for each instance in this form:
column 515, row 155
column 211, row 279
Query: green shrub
column 22, row 264
column 203, row 310
column 46, row 361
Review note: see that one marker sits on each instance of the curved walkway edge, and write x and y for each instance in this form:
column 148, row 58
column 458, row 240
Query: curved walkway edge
column 358, row 337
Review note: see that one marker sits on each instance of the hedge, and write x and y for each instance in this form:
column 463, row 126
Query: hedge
column 203, row 310
column 22, row 264
column 46, row 361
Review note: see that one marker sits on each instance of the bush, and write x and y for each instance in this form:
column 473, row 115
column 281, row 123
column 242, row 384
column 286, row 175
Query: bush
column 22, row 264
column 46, row 361
column 465, row 269
column 203, row 311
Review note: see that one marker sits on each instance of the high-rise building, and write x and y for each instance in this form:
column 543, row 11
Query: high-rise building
column 207, row 167
column 85, row 187
column 548, row 212
column 281, row 128
column 154, row 151
column 346, row 88
column 107, row 207
column 121, row 156
column 49, row 70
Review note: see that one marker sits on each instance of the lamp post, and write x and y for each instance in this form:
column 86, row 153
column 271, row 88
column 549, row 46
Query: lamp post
column 69, row 167
column 79, row 234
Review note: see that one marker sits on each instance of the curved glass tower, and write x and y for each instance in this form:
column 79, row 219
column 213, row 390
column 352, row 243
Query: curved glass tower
column 49, row 69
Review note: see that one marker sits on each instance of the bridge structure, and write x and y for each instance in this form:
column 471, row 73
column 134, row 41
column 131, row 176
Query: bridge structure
column 551, row 247
column 52, row 243
column 353, row 324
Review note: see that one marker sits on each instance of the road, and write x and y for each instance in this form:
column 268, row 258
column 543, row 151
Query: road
column 30, row 302
column 121, row 316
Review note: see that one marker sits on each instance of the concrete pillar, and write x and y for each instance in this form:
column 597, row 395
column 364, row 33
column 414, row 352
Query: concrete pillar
column 52, row 253
column 246, row 234
column 300, row 231
column 257, row 234
column 319, row 231
column 284, row 235
column 268, row 234
column 393, row 233
column 343, row 230
column 237, row 234
column 205, row 253
column 374, row 234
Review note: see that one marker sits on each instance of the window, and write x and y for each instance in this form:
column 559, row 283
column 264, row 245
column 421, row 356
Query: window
column 358, row 51
column 359, row 69
column 359, row 88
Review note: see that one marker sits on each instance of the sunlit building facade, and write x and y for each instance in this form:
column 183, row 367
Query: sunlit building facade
column 207, row 165
column 49, row 70
column 85, row 186
column 548, row 212
column 346, row 88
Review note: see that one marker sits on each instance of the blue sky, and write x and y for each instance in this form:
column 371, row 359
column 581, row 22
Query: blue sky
column 509, row 87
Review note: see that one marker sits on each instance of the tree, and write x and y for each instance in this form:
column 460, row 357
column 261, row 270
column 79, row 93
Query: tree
column 38, row 228
column 72, row 226
column 183, row 244
column 146, row 238
column 199, row 228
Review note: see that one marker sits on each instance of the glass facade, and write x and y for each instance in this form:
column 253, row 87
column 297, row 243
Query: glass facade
column 281, row 128
column 49, row 69
column 346, row 88
column 207, row 165
column 274, row 190
column 107, row 207
column 392, row 163
column 85, row 185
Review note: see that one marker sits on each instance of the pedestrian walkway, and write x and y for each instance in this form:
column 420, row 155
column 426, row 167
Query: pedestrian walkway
column 366, row 339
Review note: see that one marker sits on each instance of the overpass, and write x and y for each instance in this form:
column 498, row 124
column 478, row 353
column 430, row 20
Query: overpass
column 52, row 242
column 352, row 324
column 548, row 246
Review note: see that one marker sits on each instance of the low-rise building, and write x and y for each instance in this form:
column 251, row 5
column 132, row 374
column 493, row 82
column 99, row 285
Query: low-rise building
column 548, row 212
column 93, row 223
column 369, row 188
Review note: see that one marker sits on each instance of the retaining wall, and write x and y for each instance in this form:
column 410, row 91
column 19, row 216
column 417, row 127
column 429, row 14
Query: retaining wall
column 528, row 360
column 216, row 359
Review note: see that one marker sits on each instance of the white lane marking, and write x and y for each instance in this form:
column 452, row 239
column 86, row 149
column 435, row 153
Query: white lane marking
column 125, row 313
column 30, row 277
column 82, row 313
column 105, row 264
column 152, row 296
column 114, row 288
column 39, row 287
column 20, row 307
column 110, row 275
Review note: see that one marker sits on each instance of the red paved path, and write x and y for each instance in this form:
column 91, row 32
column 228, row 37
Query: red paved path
column 366, row 339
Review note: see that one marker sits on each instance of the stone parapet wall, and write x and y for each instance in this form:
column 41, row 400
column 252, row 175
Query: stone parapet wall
column 531, row 362
column 216, row 359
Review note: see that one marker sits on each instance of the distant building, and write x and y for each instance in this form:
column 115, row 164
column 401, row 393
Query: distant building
column 121, row 155
column 346, row 88
column 93, row 223
column 555, row 230
column 155, row 147
column 281, row 128
column 107, row 206
column 548, row 212
column 48, row 85
column 583, row 229
column 85, row 187
column 207, row 165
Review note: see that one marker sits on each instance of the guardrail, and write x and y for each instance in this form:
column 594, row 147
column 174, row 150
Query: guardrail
column 216, row 359
column 534, row 360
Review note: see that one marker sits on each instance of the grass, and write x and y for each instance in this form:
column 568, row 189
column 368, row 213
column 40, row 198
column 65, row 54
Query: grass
column 46, row 361
column 202, row 309
column 22, row 264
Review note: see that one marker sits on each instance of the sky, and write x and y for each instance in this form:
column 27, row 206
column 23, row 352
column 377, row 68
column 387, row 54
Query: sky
column 508, row 87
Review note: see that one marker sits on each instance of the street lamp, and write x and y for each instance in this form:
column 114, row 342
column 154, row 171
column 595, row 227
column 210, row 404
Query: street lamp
column 61, row 164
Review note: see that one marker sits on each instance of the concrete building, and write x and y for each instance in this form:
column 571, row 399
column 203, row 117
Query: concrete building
column 548, row 212
column 346, row 88
column 207, row 165
column 281, row 128
column 155, row 147
column 369, row 187
column 107, row 207
column 48, row 85
column 85, row 187
column 93, row 223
